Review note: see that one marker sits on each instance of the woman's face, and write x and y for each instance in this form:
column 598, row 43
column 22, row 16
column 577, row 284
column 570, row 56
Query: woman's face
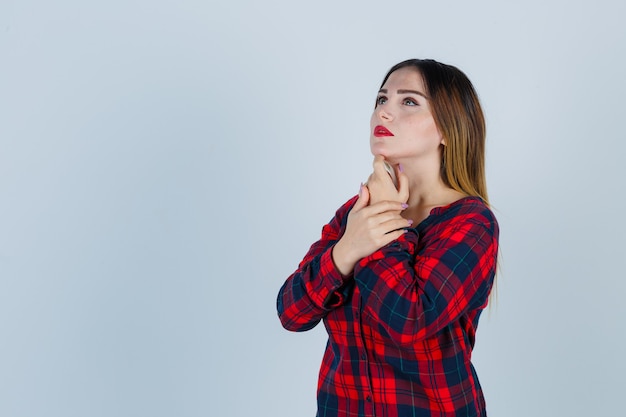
column 402, row 127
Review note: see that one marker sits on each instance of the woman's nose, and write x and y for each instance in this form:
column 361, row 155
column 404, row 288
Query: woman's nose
column 384, row 114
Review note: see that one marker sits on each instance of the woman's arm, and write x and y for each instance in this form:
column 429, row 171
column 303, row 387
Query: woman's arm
column 316, row 287
column 410, row 298
column 324, row 278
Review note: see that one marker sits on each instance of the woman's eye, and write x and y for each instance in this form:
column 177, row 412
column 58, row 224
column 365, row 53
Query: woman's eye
column 410, row 102
column 381, row 100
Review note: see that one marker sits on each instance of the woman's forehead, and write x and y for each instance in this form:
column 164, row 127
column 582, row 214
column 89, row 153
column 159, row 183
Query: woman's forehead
column 405, row 78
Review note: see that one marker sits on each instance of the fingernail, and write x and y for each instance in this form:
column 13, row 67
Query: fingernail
column 405, row 205
column 400, row 168
column 410, row 222
column 360, row 189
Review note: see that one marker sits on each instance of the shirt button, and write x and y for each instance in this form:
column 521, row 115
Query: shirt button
column 363, row 356
column 369, row 398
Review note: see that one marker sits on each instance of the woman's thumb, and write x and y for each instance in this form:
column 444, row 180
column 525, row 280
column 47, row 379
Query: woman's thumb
column 364, row 197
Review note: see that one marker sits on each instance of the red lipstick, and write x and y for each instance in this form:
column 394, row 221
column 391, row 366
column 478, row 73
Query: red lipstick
column 381, row 131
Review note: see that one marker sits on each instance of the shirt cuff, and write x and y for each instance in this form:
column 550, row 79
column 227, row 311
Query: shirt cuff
column 333, row 295
column 407, row 242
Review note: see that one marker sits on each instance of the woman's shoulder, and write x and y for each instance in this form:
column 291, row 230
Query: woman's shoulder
column 470, row 208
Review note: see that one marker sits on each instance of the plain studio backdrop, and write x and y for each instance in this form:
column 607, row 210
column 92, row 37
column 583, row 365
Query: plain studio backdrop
column 165, row 165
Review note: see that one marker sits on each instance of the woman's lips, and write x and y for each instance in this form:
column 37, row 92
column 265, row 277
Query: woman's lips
column 381, row 131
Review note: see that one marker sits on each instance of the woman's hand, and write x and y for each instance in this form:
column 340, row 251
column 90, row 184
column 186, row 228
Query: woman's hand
column 369, row 228
column 381, row 186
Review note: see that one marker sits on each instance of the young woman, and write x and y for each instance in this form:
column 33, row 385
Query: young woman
column 402, row 272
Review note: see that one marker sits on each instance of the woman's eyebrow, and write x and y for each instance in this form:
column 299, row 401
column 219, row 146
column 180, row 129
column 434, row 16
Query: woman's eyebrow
column 419, row 93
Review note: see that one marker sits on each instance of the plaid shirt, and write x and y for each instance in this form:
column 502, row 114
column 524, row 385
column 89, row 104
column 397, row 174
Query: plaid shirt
column 402, row 326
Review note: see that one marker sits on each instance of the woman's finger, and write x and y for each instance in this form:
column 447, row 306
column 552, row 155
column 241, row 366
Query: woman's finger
column 403, row 186
column 379, row 167
column 383, row 206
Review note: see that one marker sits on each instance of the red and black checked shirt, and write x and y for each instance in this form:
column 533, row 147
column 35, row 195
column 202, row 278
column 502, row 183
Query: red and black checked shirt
column 401, row 328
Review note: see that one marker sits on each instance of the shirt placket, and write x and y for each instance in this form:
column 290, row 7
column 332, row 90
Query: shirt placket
column 364, row 369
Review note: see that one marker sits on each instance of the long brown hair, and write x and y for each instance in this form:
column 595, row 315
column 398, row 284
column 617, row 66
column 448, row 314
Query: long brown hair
column 459, row 118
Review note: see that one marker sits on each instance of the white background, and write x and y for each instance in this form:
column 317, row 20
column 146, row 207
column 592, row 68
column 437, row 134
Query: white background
column 164, row 166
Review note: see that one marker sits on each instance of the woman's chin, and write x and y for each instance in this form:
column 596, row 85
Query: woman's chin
column 389, row 158
column 376, row 149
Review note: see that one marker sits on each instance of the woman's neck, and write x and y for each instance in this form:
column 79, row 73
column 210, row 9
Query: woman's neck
column 432, row 195
column 426, row 188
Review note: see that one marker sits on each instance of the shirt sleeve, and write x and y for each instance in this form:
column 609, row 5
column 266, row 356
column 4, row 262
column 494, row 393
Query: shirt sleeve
column 410, row 296
column 316, row 287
